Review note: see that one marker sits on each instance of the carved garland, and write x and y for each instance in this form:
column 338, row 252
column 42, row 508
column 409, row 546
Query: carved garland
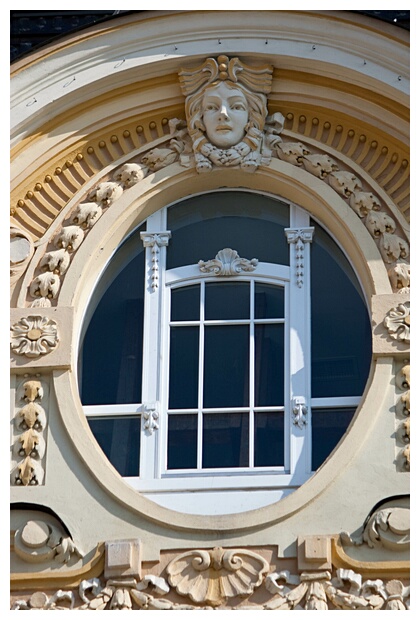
column 29, row 446
column 181, row 148
column 346, row 590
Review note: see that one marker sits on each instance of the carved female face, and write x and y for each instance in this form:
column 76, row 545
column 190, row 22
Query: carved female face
column 225, row 115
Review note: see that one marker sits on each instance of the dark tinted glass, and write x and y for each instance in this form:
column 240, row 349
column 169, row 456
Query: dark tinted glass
column 269, row 365
column 119, row 439
column 269, row 301
column 328, row 427
column 110, row 362
column 269, row 439
column 226, row 366
column 226, row 440
column 251, row 224
column 183, row 368
column 227, row 300
column 341, row 332
column 182, row 441
column 185, row 303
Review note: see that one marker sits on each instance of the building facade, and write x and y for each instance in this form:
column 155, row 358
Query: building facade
column 210, row 315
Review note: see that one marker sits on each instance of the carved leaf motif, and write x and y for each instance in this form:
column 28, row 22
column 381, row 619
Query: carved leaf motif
column 364, row 202
column 45, row 285
column 399, row 275
column 159, row 158
column 86, row 214
column 292, row 152
column 379, row 223
column 392, row 248
column 227, row 263
column 106, row 193
column 130, row 174
column 31, row 416
column 345, row 183
column 56, row 261
column 216, row 575
column 319, row 165
column 70, row 238
column 29, row 442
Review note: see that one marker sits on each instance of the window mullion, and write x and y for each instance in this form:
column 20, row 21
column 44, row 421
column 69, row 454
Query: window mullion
column 251, row 374
column 155, row 240
column 201, row 379
column 299, row 237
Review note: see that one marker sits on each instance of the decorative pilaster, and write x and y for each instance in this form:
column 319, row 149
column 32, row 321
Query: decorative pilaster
column 155, row 241
column 299, row 237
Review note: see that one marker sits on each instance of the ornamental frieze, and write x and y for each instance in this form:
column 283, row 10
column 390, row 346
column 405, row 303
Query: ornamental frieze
column 227, row 126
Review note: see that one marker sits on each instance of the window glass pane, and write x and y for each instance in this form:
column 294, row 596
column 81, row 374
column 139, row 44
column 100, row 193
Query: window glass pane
column 269, row 439
column 185, row 303
column 328, row 427
column 341, row 332
column 110, row 361
column 251, row 224
column 182, row 441
column 225, row 440
column 183, row 368
column 119, row 438
column 227, row 300
column 269, row 301
column 226, row 366
column 269, row 365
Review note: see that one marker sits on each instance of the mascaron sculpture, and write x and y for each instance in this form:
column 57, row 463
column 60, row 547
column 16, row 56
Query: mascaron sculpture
column 226, row 112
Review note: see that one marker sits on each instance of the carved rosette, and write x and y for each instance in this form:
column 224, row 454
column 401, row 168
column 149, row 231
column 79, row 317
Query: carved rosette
column 397, row 322
column 227, row 263
column 214, row 576
column 29, row 444
column 34, row 336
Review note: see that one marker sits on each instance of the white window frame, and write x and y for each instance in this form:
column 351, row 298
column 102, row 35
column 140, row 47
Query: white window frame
column 297, row 405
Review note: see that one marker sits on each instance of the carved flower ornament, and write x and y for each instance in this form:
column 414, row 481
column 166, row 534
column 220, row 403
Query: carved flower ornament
column 397, row 322
column 34, row 336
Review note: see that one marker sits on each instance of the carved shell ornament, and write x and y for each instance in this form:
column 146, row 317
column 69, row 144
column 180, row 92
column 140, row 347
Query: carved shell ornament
column 227, row 263
column 34, row 336
column 216, row 575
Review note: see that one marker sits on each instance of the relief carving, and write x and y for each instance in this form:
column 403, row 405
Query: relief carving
column 28, row 447
column 226, row 111
column 227, row 125
column 402, row 411
column 227, row 263
column 319, row 165
column 21, row 251
column 397, row 322
column 399, row 276
column 388, row 528
column 214, row 576
column 38, row 541
column 34, row 336
column 86, row 214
